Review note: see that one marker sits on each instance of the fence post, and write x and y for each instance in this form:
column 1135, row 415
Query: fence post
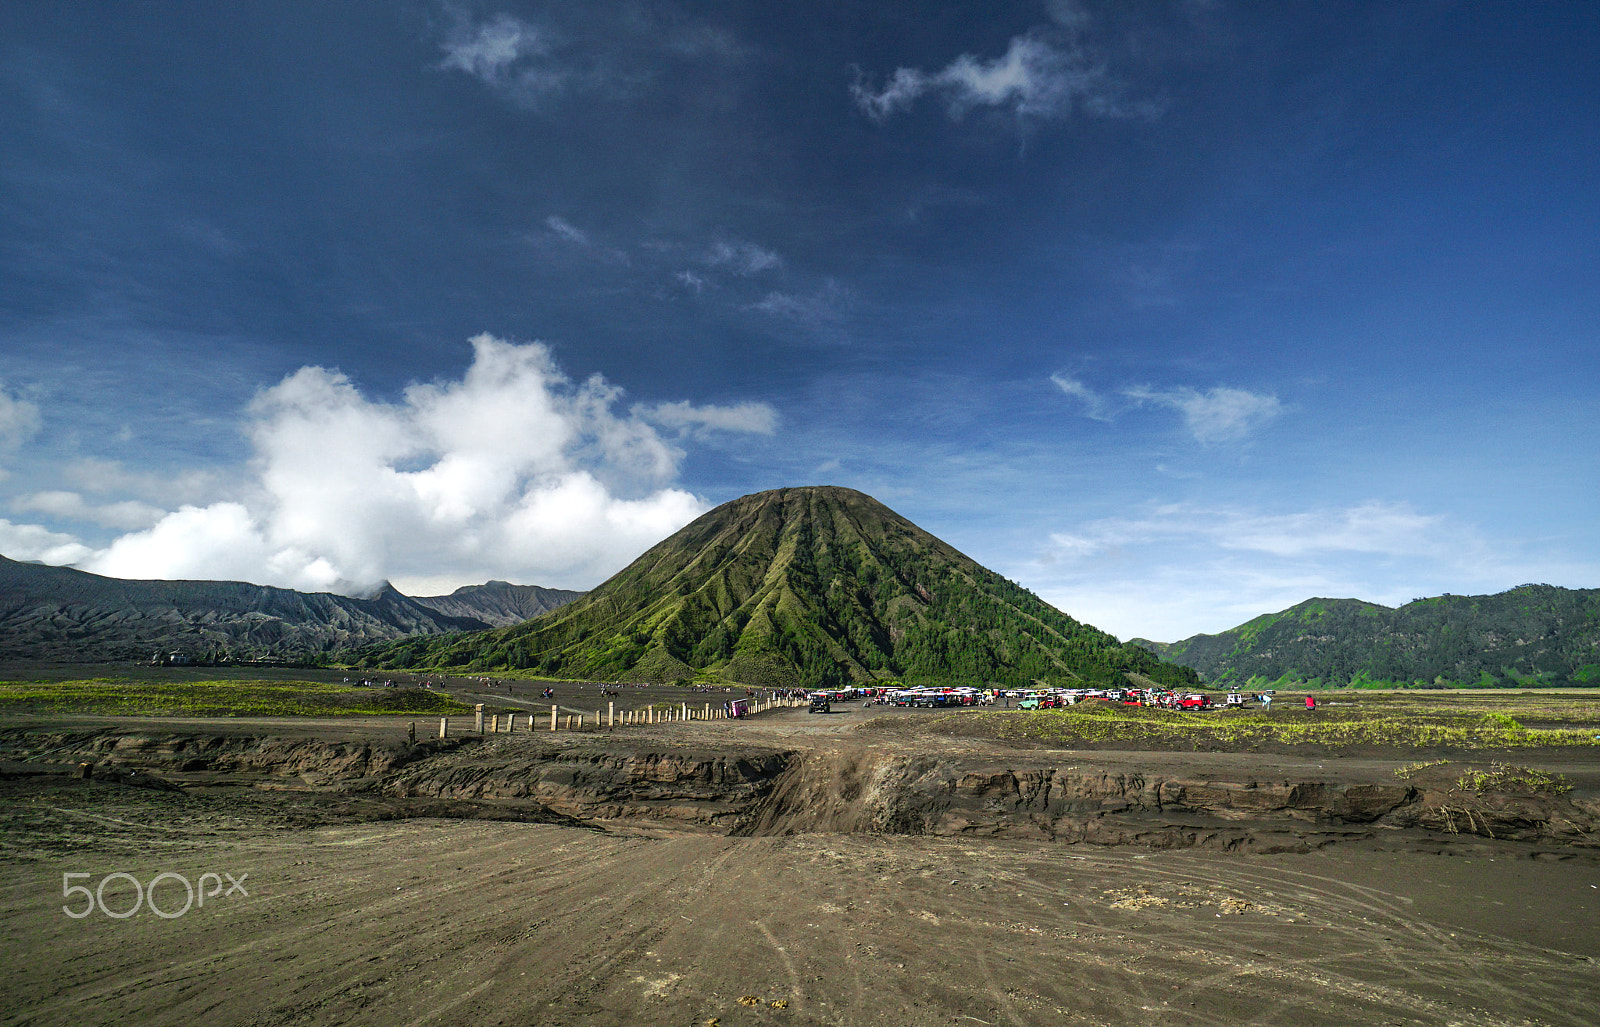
column 685, row 711
column 611, row 714
column 552, row 718
column 444, row 726
column 477, row 721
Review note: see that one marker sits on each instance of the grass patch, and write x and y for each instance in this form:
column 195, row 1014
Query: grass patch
column 1503, row 777
column 1412, row 768
column 1380, row 725
column 121, row 697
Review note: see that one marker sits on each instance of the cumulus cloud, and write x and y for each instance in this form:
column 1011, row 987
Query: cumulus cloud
column 32, row 542
column 1214, row 415
column 1043, row 74
column 513, row 471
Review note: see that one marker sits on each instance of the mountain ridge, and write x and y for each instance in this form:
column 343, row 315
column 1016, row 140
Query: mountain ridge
column 61, row 614
column 1529, row 635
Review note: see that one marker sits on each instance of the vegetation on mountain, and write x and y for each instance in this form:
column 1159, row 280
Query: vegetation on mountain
column 1529, row 636
column 799, row 587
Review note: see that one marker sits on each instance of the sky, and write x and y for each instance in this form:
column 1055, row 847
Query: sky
column 1175, row 313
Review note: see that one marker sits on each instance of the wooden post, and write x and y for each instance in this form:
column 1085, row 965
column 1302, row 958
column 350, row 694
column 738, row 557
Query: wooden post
column 685, row 711
column 708, row 711
column 611, row 714
column 494, row 723
column 530, row 723
column 552, row 718
column 444, row 726
column 477, row 722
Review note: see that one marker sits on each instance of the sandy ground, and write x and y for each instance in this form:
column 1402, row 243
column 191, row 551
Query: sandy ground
column 442, row 920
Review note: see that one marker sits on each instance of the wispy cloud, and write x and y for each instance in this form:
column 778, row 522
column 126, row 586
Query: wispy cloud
column 505, row 53
column 580, row 50
column 19, row 420
column 570, row 233
column 823, row 308
column 1047, row 73
column 1094, row 405
column 72, row 506
column 1371, row 527
column 1214, row 415
column 1220, row 414
column 1174, row 570
column 742, row 258
column 564, row 228
column 692, row 280
column 752, row 418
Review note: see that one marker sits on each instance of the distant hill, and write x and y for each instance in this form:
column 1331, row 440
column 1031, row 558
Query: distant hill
column 799, row 587
column 1527, row 636
column 499, row 603
column 66, row 615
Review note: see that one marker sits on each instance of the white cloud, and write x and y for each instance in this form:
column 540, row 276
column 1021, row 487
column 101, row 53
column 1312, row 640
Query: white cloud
column 1175, row 570
column 514, row 471
column 32, row 542
column 504, row 53
column 1371, row 527
column 488, row 50
column 124, row 514
column 96, row 475
column 692, row 280
column 1220, row 414
column 755, row 418
column 1214, row 415
column 819, row 309
column 1094, row 404
column 564, row 228
column 743, row 258
column 19, row 420
column 1040, row 75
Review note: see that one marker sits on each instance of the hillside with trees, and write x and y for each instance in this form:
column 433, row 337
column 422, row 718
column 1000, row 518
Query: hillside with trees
column 1528, row 636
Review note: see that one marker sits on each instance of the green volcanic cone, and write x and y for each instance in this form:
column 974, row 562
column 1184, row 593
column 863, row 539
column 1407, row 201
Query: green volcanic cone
column 800, row 587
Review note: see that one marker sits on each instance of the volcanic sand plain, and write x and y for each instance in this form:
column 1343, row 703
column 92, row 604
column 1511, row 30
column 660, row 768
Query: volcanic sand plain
column 443, row 901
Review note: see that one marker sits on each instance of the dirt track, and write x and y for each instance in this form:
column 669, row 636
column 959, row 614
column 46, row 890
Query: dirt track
column 439, row 919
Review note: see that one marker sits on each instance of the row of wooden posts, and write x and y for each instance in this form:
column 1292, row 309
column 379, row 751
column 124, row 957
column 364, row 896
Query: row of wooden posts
column 507, row 723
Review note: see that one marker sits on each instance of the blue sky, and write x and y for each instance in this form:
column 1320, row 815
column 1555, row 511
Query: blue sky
column 1176, row 313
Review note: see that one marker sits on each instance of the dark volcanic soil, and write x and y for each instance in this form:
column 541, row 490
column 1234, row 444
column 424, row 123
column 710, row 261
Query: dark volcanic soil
column 788, row 869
